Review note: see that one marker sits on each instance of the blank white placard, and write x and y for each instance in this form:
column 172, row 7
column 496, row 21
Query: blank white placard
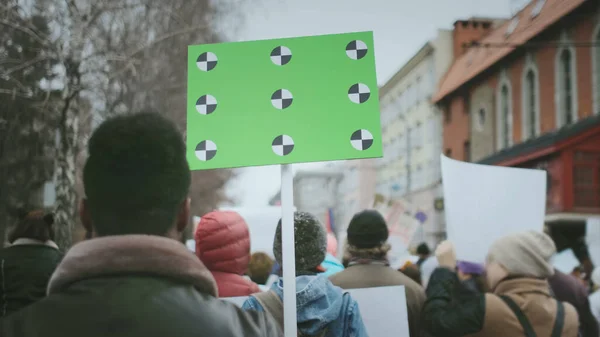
column 383, row 310
column 483, row 203
column 565, row 261
column 592, row 238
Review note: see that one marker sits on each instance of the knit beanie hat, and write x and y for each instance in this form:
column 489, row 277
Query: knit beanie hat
column 367, row 229
column 524, row 254
column 310, row 241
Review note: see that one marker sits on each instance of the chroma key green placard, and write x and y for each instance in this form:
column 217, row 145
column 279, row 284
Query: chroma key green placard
column 282, row 101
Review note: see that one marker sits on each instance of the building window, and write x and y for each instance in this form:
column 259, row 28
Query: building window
column 530, row 104
column 418, row 90
column 481, row 119
column 504, row 116
column 596, row 69
column 566, row 87
column 586, row 179
column 467, row 150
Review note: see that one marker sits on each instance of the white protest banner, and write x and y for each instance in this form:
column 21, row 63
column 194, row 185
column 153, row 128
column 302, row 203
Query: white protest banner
column 383, row 309
column 592, row 238
column 565, row 261
column 484, row 203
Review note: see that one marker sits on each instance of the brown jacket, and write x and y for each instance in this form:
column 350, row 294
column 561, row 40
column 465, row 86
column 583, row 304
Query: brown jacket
column 448, row 313
column 534, row 299
column 379, row 275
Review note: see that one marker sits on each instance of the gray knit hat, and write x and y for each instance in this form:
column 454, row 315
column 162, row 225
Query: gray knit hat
column 524, row 254
column 310, row 240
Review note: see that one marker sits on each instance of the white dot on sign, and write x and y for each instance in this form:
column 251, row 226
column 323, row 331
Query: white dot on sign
column 206, row 150
column 206, row 104
column 361, row 139
column 207, row 61
column 281, row 55
column 282, row 145
column 356, row 49
column 282, row 99
column 359, row 93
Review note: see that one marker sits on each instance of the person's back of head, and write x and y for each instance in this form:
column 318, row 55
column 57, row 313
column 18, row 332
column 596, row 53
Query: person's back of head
column 523, row 254
column 136, row 178
column 34, row 225
column 310, row 241
column 259, row 268
column 423, row 250
column 367, row 236
column 219, row 229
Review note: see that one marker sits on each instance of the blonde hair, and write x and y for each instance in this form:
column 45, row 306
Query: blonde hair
column 377, row 252
column 260, row 267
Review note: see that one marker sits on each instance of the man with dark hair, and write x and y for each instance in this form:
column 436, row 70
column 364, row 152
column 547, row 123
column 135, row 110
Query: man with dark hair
column 423, row 252
column 133, row 278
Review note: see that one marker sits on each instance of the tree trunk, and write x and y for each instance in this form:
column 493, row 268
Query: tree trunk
column 66, row 195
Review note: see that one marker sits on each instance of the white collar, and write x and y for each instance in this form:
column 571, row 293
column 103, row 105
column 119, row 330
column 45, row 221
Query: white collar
column 28, row 241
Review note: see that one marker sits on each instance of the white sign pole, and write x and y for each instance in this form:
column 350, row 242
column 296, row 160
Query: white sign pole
column 288, row 251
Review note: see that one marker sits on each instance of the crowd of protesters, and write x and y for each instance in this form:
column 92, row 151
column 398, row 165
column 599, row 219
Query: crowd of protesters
column 132, row 276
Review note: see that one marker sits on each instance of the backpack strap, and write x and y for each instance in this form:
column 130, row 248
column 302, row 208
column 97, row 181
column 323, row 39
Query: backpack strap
column 560, row 320
column 272, row 304
column 529, row 332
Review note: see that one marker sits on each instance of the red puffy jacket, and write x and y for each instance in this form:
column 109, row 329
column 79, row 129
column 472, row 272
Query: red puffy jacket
column 223, row 245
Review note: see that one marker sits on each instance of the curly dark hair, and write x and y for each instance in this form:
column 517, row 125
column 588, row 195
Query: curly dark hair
column 136, row 175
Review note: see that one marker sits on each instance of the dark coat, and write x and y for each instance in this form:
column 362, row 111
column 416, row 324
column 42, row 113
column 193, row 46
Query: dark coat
column 25, row 269
column 568, row 289
column 448, row 313
column 134, row 286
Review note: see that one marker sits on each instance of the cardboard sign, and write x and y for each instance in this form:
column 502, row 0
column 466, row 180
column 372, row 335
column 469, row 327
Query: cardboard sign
column 565, row 261
column 282, row 101
column 484, row 203
column 383, row 309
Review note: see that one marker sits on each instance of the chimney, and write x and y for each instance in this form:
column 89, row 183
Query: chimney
column 467, row 31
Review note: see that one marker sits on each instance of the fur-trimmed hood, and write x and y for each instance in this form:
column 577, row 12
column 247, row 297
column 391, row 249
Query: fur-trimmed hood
column 132, row 254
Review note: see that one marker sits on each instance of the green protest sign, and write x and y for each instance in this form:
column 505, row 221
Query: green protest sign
column 282, row 101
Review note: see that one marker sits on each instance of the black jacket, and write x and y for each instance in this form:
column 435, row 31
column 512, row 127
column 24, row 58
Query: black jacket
column 133, row 286
column 25, row 269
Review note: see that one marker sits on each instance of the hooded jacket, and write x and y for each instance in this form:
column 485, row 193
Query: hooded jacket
column 223, row 245
column 320, row 305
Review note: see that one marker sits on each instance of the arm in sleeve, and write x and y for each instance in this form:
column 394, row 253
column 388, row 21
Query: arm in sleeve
column 252, row 304
column 444, row 313
column 589, row 324
column 357, row 327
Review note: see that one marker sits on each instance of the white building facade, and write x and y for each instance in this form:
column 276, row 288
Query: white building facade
column 412, row 137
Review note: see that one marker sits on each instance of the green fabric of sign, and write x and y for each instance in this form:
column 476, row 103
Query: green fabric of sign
column 282, row 101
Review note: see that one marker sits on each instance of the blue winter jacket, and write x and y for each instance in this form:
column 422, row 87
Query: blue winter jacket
column 319, row 303
column 331, row 265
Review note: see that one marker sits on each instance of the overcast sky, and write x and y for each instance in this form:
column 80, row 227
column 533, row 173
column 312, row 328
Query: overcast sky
column 400, row 27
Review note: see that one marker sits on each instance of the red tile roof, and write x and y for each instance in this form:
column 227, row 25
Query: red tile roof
column 476, row 60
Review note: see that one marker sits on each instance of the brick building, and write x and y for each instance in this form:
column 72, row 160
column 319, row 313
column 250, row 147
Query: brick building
column 528, row 95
